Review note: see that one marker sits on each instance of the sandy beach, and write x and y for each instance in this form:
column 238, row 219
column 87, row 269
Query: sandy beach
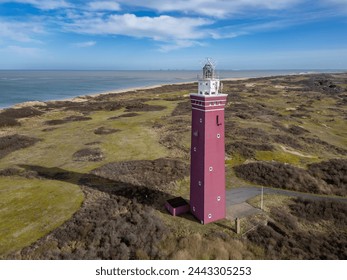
column 83, row 98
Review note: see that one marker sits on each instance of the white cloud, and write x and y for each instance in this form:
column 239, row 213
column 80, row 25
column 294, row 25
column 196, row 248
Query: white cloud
column 24, row 51
column 216, row 8
column 84, row 44
column 339, row 5
column 104, row 6
column 20, row 31
column 179, row 44
column 42, row 4
column 181, row 23
column 161, row 28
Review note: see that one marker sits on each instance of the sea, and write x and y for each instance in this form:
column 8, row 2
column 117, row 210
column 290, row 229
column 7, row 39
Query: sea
column 18, row 86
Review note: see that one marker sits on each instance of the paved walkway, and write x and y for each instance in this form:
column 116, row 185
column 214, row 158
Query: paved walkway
column 236, row 198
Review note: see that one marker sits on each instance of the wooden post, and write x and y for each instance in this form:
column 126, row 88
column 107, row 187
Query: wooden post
column 238, row 225
column 262, row 198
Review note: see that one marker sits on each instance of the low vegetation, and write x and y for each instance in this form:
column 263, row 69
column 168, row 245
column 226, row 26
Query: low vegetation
column 14, row 142
column 101, row 169
column 311, row 229
column 31, row 208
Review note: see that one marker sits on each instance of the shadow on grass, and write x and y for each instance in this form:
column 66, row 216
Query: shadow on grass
column 148, row 196
column 225, row 226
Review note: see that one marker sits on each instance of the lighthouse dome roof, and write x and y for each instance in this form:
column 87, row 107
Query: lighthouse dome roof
column 208, row 71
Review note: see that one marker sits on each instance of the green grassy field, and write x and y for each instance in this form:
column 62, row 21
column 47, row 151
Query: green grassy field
column 31, row 208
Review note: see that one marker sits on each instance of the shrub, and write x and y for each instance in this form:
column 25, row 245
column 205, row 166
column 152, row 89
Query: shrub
column 8, row 121
column 281, row 175
column 246, row 150
column 15, row 142
column 106, row 227
column 88, row 155
column 333, row 172
column 18, row 113
column 104, row 131
column 67, row 120
column 316, row 210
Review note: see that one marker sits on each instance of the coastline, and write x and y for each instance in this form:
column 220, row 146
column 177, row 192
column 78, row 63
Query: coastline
column 86, row 97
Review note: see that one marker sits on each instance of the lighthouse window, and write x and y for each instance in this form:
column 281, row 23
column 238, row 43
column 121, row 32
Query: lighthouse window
column 218, row 135
column 200, row 120
column 199, row 183
column 206, row 83
column 218, row 198
column 211, row 168
column 209, row 216
column 210, row 103
column 194, row 149
column 200, row 92
column 217, row 119
column 193, row 208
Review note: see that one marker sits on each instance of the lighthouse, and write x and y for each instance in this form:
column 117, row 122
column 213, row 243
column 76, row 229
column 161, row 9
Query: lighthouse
column 207, row 170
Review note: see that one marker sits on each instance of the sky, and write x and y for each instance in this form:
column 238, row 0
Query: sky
column 173, row 34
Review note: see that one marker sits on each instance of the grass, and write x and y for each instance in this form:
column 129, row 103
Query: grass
column 136, row 140
column 278, row 156
column 31, row 208
column 236, row 159
column 269, row 201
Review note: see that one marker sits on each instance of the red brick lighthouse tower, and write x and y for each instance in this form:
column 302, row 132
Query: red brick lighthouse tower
column 207, row 170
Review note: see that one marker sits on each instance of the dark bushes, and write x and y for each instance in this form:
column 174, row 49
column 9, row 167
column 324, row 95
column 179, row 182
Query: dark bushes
column 88, row 155
column 142, row 107
column 316, row 210
column 90, row 106
column 127, row 115
column 106, row 227
column 280, row 175
column 8, row 121
column 283, row 239
column 251, row 134
column 287, row 140
column 68, row 119
column 15, row 142
column 299, row 245
column 297, row 130
column 247, row 150
column 320, row 144
column 144, row 172
column 182, row 108
column 11, row 171
column 104, row 131
column 25, row 112
column 8, row 117
column 333, row 172
column 253, row 110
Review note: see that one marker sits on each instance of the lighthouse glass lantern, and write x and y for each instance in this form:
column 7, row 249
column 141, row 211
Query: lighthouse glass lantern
column 207, row 170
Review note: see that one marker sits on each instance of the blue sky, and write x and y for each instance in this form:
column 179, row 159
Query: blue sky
column 168, row 34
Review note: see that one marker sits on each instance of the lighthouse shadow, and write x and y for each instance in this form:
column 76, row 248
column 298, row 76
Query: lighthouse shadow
column 147, row 196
